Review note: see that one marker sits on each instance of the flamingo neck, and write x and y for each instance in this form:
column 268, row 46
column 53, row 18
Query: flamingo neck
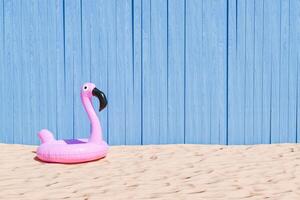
column 96, row 130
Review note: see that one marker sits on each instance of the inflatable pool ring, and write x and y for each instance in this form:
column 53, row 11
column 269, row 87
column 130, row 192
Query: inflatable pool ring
column 77, row 150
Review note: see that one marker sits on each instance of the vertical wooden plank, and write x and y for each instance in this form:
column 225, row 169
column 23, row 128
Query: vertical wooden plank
column 292, row 16
column 215, row 62
column 32, row 76
column 249, row 71
column 267, row 76
column 194, row 74
column 194, row 77
column 38, row 60
column 8, row 73
column 16, row 69
column 41, row 68
column 72, row 61
column 54, row 40
column 6, row 133
column 204, row 82
column 155, row 72
column 293, row 52
column 294, row 105
column 175, row 70
column 35, row 61
column 117, row 134
column 27, row 41
column 65, row 73
column 93, row 58
column 284, row 88
column 146, row 49
column 121, row 76
column 61, row 118
column 82, row 63
column 273, row 19
column 116, row 131
column 120, row 57
column 242, row 73
column 133, row 72
column 2, row 70
column 258, row 73
column 206, row 71
column 236, row 73
column 39, row 56
column 124, row 63
column 298, row 104
column 75, row 59
column 98, row 41
column 260, row 97
column 45, row 72
column 61, row 131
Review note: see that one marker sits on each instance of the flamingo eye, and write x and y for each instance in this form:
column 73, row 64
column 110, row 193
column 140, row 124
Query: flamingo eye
column 85, row 88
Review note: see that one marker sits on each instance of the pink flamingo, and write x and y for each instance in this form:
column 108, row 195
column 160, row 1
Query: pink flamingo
column 77, row 150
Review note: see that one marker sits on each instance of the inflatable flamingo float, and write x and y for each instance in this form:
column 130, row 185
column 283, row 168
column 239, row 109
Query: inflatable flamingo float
column 77, row 150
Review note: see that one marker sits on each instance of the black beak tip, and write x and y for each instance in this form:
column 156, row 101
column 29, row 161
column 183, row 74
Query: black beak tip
column 102, row 98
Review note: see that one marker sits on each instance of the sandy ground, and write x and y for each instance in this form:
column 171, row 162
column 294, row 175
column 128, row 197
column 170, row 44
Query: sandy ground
column 157, row 172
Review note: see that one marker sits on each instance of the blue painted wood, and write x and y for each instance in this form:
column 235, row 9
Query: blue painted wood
column 154, row 33
column 259, row 127
column 35, row 62
column 115, row 113
column 2, row 71
column 272, row 83
column 7, row 106
column 133, row 81
column 147, row 135
column 267, row 75
column 72, row 61
column 176, row 71
column 54, row 59
column 180, row 71
column 118, row 39
column 240, row 73
column 205, row 72
column 82, row 63
column 97, row 51
column 274, row 28
column 45, row 75
column 215, row 57
column 294, row 79
column 285, row 88
column 26, row 68
column 16, row 71
column 194, row 75
column 249, row 69
column 126, row 72
column 60, row 60
column 262, row 73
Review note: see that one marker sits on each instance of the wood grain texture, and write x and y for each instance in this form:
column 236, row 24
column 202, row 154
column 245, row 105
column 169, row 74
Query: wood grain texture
column 206, row 72
column 174, row 71
column 262, row 72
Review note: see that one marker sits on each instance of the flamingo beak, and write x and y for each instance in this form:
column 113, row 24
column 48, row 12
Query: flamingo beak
column 102, row 98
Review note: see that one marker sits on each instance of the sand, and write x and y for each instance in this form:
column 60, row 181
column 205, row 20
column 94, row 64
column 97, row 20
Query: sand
column 157, row 172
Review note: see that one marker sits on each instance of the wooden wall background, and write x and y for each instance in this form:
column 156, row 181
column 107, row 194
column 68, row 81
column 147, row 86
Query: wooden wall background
column 174, row 71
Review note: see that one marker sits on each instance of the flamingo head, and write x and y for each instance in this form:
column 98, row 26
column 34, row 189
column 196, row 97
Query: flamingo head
column 89, row 89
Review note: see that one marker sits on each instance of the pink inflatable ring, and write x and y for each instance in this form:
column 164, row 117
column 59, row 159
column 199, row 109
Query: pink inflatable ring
column 77, row 150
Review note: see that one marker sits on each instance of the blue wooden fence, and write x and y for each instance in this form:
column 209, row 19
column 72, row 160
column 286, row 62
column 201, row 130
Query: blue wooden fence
column 174, row 71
